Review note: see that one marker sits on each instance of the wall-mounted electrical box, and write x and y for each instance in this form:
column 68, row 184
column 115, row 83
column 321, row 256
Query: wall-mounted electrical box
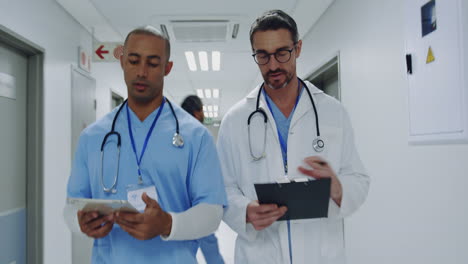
column 437, row 95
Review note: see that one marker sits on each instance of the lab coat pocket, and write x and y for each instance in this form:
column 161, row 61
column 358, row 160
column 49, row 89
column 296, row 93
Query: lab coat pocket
column 332, row 244
column 248, row 190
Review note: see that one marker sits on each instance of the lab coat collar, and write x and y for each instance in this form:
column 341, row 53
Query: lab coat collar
column 304, row 105
column 312, row 88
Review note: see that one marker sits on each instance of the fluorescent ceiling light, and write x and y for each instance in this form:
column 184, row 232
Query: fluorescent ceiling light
column 215, row 108
column 216, row 60
column 200, row 93
column 215, row 93
column 203, row 57
column 215, row 114
column 207, row 93
column 205, row 113
column 210, row 108
column 204, row 108
column 210, row 114
column 191, row 60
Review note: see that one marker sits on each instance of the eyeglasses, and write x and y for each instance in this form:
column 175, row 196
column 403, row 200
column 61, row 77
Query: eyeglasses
column 282, row 56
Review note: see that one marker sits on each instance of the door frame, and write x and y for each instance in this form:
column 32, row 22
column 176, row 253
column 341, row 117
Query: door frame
column 326, row 64
column 35, row 141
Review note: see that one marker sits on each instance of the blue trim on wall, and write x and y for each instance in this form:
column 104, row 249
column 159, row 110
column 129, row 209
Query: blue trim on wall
column 13, row 237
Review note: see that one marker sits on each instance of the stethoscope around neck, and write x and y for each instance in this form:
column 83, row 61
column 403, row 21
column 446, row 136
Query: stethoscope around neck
column 317, row 144
column 177, row 141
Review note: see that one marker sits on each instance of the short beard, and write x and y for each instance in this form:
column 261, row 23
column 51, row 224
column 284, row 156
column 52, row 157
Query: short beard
column 277, row 88
column 288, row 80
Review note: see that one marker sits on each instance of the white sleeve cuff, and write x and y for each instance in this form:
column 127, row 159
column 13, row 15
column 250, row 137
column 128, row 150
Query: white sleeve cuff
column 197, row 222
column 71, row 219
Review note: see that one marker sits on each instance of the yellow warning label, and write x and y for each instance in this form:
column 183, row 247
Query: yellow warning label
column 430, row 56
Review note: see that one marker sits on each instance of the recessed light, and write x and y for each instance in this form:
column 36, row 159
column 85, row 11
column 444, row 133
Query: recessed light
column 207, row 93
column 203, row 57
column 215, row 93
column 216, row 60
column 191, row 60
column 200, row 93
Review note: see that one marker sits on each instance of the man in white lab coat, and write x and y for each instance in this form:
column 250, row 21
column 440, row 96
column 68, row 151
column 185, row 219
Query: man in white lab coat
column 287, row 147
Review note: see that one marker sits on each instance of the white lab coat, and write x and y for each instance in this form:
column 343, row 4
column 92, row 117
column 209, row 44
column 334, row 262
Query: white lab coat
column 313, row 240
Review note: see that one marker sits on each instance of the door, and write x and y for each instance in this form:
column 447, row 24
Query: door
column 83, row 114
column 13, row 81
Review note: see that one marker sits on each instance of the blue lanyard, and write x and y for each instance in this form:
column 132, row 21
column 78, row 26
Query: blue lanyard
column 284, row 149
column 138, row 160
column 283, row 143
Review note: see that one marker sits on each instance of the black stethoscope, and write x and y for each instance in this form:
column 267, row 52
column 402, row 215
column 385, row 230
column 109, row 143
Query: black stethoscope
column 177, row 141
column 317, row 143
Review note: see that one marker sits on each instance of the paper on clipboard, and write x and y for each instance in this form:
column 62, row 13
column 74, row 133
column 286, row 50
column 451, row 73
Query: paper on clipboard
column 304, row 200
column 104, row 207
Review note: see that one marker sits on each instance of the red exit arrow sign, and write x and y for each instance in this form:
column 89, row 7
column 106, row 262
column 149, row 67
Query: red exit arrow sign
column 107, row 51
column 100, row 51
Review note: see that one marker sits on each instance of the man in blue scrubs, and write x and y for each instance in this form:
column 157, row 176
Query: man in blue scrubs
column 208, row 245
column 181, row 187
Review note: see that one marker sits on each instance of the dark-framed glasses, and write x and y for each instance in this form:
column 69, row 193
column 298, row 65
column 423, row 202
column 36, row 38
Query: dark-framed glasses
column 281, row 55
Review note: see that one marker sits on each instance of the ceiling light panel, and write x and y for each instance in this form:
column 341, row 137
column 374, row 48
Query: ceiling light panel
column 200, row 93
column 207, row 93
column 215, row 93
column 203, row 57
column 191, row 60
column 216, row 60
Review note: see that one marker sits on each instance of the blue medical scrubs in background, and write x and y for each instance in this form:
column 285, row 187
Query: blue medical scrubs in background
column 184, row 177
column 210, row 249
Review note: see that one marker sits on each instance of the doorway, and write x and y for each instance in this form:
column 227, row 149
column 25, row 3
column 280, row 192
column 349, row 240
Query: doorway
column 21, row 116
column 327, row 78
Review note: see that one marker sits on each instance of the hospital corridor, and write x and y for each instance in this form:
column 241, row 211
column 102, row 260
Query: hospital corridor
column 222, row 131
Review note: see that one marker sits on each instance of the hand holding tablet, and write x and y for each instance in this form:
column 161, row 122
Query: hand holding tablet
column 102, row 206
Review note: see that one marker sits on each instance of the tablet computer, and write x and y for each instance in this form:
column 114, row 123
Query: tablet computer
column 104, row 207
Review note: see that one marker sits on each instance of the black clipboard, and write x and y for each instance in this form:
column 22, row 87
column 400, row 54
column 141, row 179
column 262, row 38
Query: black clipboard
column 304, row 200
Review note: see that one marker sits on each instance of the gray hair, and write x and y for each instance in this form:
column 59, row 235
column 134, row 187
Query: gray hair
column 274, row 20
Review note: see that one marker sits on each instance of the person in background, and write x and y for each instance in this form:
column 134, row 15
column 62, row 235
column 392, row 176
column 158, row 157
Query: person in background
column 286, row 147
column 176, row 184
column 208, row 245
column 194, row 106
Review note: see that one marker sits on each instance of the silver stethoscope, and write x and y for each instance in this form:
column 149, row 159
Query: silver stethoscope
column 177, row 141
column 317, row 143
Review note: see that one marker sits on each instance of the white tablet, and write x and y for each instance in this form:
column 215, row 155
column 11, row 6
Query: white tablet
column 104, row 207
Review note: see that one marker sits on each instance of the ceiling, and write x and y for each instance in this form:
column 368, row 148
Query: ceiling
column 111, row 20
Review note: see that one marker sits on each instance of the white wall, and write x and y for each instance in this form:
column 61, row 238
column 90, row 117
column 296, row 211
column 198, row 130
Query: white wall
column 109, row 78
column 415, row 211
column 46, row 24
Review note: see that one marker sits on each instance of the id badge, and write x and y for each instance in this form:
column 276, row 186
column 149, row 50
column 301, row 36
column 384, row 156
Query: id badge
column 134, row 193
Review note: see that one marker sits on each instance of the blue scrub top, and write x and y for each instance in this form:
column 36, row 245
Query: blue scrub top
column 184, row 177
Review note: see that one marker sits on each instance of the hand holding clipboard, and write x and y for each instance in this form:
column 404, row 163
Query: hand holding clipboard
column 307, row 199
column 304, row 199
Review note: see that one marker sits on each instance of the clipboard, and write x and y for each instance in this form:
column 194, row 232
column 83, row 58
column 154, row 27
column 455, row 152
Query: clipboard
column 104, row 207
column 308, row 199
